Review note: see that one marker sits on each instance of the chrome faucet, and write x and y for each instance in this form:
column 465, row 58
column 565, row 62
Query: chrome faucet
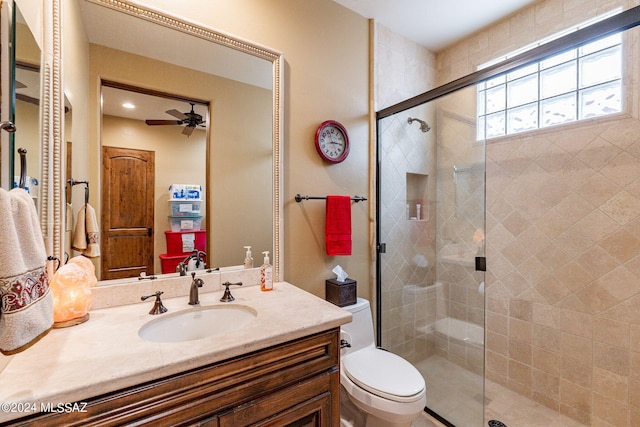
column 193, row 293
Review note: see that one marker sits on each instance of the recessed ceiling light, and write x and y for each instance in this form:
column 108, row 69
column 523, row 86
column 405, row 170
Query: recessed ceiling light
column 128, row 105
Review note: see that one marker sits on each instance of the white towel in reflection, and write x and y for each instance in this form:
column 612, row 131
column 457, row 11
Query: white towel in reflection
column 85, row 234
column 26, row 312
column 68, row 223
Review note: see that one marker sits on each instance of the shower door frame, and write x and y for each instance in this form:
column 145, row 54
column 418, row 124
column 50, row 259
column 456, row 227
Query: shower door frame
column 621, row 22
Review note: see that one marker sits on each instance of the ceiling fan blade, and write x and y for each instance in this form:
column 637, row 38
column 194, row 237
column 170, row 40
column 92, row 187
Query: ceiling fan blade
column 29, row 99
column 188, row 130
column 162, row 122
column 177, row 114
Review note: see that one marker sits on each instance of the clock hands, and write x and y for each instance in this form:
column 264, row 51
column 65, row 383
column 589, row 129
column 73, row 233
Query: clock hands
column 331, row 141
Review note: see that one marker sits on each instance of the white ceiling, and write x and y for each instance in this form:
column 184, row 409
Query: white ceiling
column 435, row 24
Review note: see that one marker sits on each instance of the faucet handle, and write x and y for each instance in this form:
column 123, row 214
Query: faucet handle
column 158, row 307
column 227, row 297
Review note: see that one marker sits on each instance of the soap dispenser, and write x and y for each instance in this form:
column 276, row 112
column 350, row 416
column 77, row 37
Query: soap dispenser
column 248, row 259
column 266, row 279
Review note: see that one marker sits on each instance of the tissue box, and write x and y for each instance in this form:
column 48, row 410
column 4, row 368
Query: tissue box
column 341, row 293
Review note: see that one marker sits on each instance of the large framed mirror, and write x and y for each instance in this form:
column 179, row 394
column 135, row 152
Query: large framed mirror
column 21, row 89
column 115, row 49
column 26, row 64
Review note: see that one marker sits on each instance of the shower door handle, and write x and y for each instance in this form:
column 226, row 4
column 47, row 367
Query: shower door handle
column 481, row 263
column 382, row 248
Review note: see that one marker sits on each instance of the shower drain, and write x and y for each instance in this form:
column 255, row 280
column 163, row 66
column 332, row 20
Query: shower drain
column 496, row 423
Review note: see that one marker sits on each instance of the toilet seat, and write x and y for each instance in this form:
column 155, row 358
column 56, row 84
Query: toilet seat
column 384, row 374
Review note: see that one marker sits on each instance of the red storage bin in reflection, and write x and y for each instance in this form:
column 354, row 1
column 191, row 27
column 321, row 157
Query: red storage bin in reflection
column 178, row 241
column 169, row 263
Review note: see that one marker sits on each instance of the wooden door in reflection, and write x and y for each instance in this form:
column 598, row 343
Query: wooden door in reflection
column 128, row 181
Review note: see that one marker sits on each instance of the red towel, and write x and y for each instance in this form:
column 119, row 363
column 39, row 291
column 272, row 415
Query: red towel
column 337, row 228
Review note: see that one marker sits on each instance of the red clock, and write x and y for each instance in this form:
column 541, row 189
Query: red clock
column 332, row 141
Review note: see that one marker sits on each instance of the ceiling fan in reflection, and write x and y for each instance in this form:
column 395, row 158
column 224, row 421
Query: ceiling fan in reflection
column 191, row 119
column 24, row 97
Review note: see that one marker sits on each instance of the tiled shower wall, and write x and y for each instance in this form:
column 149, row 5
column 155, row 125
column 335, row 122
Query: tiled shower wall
column 563, row 301
column 563, row 241
column 409, row 262
column 404, row 69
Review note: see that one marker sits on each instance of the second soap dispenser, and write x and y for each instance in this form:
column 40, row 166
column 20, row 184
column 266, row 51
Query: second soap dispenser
column 248, row 259
column 266, row 277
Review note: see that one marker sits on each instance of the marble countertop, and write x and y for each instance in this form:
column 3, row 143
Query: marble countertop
column 106, row 354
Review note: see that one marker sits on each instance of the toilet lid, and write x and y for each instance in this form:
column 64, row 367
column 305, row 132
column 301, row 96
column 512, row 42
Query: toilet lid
column 383, row 373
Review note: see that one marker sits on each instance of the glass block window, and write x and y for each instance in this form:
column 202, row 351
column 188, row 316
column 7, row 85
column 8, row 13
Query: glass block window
column 573, row 85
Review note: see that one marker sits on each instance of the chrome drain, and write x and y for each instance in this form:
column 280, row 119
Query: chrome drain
column 496, row 423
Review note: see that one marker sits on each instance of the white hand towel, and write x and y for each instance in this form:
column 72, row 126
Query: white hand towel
column 85, row 234
column 26, row 312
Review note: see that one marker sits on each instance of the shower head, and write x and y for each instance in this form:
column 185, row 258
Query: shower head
column 424, row 127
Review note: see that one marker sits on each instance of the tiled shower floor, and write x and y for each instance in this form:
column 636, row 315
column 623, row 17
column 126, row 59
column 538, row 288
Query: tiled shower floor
column 456, row 394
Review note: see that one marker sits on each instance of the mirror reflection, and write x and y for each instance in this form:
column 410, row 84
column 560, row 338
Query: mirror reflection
column 143, row 155
column 27, row 104
column 231, row 158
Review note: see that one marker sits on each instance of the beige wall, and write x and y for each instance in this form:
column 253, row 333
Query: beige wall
column 562, row 241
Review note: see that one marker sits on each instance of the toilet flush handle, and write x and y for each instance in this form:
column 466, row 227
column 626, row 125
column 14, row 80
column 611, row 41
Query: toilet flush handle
column 344, row 343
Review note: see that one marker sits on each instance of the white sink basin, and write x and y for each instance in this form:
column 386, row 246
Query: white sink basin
column 197, row 323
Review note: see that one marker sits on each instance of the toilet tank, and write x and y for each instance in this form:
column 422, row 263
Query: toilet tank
column 359, row 332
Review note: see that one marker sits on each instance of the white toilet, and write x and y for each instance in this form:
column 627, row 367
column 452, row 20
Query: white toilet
column 387, row 388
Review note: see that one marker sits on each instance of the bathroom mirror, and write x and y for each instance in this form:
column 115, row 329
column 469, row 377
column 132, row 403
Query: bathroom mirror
column 26, row 47
column 21, row 83
column 27, row 102
column 217, row 69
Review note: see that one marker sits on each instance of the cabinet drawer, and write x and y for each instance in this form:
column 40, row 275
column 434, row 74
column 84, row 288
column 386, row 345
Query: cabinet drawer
column 308, row 403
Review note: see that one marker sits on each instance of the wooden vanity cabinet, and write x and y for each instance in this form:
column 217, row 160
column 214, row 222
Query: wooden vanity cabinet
column 292, row 384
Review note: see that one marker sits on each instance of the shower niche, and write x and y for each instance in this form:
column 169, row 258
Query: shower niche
column 417, row 197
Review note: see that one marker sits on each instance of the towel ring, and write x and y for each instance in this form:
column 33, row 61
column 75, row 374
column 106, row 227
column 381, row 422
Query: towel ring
column 57, row 262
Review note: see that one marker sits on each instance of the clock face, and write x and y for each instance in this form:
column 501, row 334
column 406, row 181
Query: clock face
column 332, row 141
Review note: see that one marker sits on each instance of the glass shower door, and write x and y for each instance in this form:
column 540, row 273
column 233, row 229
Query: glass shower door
column 431, row 222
